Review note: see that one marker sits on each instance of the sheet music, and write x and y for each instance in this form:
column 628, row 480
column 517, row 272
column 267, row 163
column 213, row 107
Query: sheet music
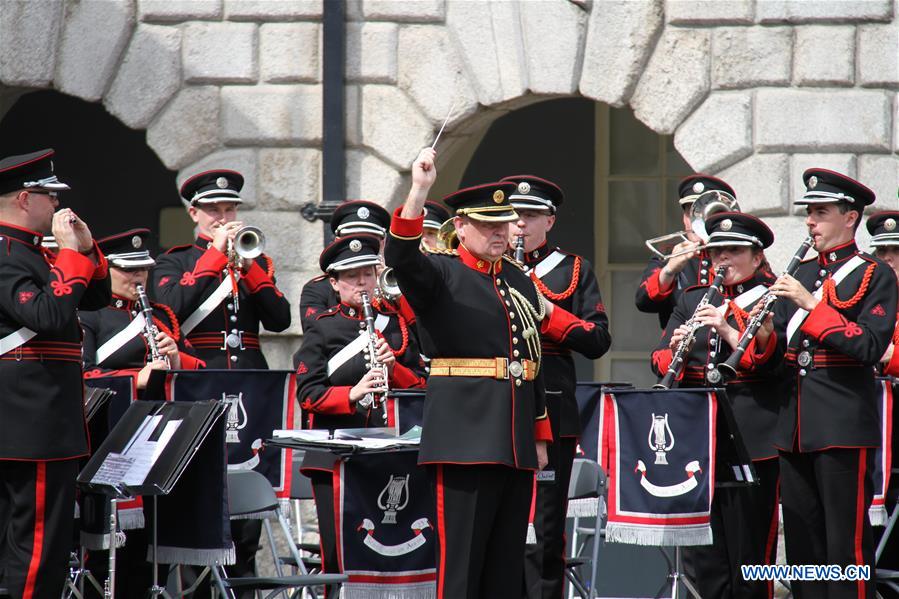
column 132, row 466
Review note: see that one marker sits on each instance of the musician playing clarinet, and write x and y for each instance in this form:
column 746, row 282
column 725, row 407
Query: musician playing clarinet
column 744, row 519
column 567, row 280
column 833, row 323
column 340, row 383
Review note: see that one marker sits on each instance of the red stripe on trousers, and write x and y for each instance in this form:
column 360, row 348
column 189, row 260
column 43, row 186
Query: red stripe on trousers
column 40, row 492
column 441, row 532
column 860, row 512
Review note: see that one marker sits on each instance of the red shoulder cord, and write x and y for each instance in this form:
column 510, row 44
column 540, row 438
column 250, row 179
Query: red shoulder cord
column 404, row 329
column 175, row 333
column 269, row 266
column 740, row 315
column 829, row 291
column 556, row 297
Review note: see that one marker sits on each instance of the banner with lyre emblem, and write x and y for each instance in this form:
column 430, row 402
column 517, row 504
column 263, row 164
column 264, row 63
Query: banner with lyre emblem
column 659, row 449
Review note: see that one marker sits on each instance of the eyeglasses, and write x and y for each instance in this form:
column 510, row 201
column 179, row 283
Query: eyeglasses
column 41, row 192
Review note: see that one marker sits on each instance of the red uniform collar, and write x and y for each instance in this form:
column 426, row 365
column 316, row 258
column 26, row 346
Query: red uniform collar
column 838, row 254
column 479, row 264
column 26, row 236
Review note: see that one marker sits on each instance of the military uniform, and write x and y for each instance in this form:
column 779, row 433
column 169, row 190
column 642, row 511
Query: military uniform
column 745, row 518
column 882, row 226
column 828, row 425
column 485, row 402
column 569, row 282
column 355, row 216
column 42, row 428
column 651, row 296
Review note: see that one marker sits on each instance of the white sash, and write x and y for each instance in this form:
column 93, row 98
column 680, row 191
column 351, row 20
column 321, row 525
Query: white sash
column 744, row 299
column 355, row 346
column 800, row 315
column 547, row 264
column 16, row 339
column 133, row 329
column 209, row 304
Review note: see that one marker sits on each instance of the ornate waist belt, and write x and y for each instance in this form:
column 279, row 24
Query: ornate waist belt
column 497, row 368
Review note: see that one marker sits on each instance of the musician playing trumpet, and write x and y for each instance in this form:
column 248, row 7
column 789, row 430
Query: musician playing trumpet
column 744, row 519
column 340, row 384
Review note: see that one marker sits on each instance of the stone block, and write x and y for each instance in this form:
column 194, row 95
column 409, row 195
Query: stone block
column 878, row 55
column 88, row 55
column 761, row 182
column 881, row 174
column 289, row 52
column 29, row 34
column 750, row 56
column 824, row 55
column 495, row 54
column 407, row 11
column 271, row 114
column 272, row 10
column 288, row 177
column 554, row 61
column 709, row 12
column 187, row 128
column 807, row 11
column 674, row 81
column 241, row 160
column 148, row 76
column 718, row 133
column 370, row 178
column 278, row 349
column 168, row 11
column 799, row 163
column 844, row 121
column 896, row 123
column 620, row 37
column 382, row 107
column 433, row 74
column 789, row 232
column 291, row 240
column 353, row 114
column 219, row 53
column 371, row 52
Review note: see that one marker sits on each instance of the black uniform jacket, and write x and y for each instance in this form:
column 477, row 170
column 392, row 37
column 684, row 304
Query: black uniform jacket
column 326, row 397
column 464, row 309
column 102, row 325
column 316, row 297
column 186, row 275
column 831, row 401
column 650, row 297
column 572, row 285
column 41, row 393
column 751, row 395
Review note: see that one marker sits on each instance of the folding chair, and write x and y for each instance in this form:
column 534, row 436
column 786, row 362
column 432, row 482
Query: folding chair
column 251, row 496
column 586, row 499
column 300, row 490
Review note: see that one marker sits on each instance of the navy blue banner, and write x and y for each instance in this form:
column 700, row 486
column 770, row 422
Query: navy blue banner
column 405, row 409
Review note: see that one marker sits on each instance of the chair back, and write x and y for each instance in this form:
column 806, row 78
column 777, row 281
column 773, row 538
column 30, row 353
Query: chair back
column 250, row 493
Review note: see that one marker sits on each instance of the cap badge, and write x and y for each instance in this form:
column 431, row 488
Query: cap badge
column 221, row 182
column 727, row 224
column 355, row 245
column 136, row 241
column 363, row 213
column 698, row 187
column 499, row 196
column 524, row 187
column 889, row 224
column 812, row 182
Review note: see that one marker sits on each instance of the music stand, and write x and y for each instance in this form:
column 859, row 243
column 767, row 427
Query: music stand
column 147, row 452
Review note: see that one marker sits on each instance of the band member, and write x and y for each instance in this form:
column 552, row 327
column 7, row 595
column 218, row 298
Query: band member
column 435, row 215
column 113, row 346
column 744, row 519
column 355, row 216
column 885, row 241
column 338, row 383
column 485, row 423
column 568, row 281
column 221, row 299
column 662, row 281
column 42, row 428
column 833, row 323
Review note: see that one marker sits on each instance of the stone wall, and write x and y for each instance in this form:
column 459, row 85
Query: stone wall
column 756, row 90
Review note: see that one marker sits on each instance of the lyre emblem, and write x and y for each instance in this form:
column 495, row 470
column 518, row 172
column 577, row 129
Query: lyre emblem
column 658, row 431
column 237, row 417
column 394, row 497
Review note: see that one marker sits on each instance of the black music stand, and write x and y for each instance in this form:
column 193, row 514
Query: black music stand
column 148, row 451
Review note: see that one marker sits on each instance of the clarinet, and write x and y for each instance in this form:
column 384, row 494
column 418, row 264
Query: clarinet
column 150, row 330
column 728, row 369
column 109, row 584
column 519, row 249
column 680, row 353
column 372, row 400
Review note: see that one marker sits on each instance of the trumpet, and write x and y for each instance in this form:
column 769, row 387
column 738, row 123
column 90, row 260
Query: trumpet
column 248, row 243
column 707, row 204
column 150, row 329
column 388, row 287
column 373, row 400
column 680, row 353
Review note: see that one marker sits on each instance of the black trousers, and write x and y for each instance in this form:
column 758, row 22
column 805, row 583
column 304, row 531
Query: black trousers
column 37, row 513
column 744, row 531
column 323, row 493
column 482, row 520
column 826, row 495
column 544, row 562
